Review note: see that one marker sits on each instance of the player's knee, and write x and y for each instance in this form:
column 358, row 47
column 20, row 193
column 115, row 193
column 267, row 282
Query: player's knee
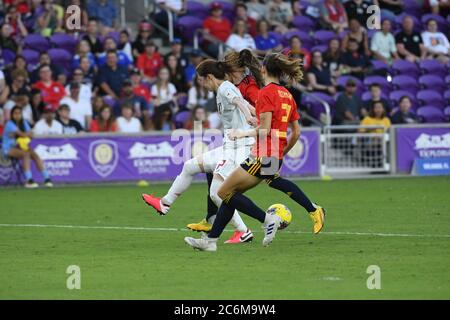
column 191, row 167
column 215, row 198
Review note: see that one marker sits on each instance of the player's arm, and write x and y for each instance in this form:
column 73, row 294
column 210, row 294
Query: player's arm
column 247, row 109
column 293, row 137
column 262, row 130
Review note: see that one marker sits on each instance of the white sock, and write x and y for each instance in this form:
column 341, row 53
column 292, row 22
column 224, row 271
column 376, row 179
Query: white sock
column 182, row 182
column 236, row 221
column 212, row 219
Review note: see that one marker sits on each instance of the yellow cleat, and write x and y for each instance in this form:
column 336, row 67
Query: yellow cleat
column 202, row 226
column 318, row 217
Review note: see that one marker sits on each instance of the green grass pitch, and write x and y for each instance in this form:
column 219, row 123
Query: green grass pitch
column 400, row 225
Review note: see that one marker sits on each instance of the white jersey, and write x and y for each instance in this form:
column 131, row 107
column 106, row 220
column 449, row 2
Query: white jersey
column 232, row 117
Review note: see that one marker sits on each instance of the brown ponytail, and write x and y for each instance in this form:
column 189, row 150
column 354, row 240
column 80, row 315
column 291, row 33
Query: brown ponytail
column 210, row 66
column 278, row 65
column 244, row 59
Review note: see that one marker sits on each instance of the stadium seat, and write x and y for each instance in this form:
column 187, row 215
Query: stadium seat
column 430, row 97
column 197, row 9
column 109, row 101
column 405, row 67
column 366, row 96
column 413, row 8
column 31, row 56
column 36, row 42
column 187, row 26
column 61, row 57
column 382, row 81
column 447, row 81
column 227, row 9
column 378, row 65
column 395, row 97
column 434, row 67
column 322, row 48
column 303, row 23
column 442, row 23
column 323, row 37
column 432, row 82
column 115, row 35
column 64, row 41
column 431, row 114
column 417, row 22
column 447, row 97
column 181, row 118
column 407, row 83
column 8, row 56
column 447, row 114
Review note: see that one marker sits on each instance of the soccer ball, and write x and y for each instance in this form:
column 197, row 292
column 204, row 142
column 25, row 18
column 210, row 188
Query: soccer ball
column 283, row 212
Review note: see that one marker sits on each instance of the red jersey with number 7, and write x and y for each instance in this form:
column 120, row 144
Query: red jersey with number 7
column 277, row 100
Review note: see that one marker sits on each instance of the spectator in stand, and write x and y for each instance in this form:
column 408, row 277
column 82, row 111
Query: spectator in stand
column 296, row 50
column 139, row 88
column 70, row 126
column 80, row 109
column 257, row 10
column 105, row 121
column 15, row 129
column 333, row 15
column 143, row 37
column 376, row 117
column 83, row 50
column 391, row 8
column 348, row 105
column 196, row 57
column 89, row 73
column 241, row 13
column 85, row 90
column 141, row 107
column 127, row 123
column 441, row 7
column 110, row 45
column 45, row 60
column 162, row 120
column 48, row 125
column 111, row 76
column 37, row 105
column 176, row 73
column 13, row 19
column 332, row 58
column 198, row 94
column 92, row 37
column 52, row 92
column 383, row 44
column 150, row 62
column 19, row 64
column 357, row 9
column 7, row 40
column 198, row 120
column 18, row 84
column 404, row 114
column 319, row 77
column 176, row 49
column 359, row 34
column 216, row 26
column 125, row 45
column 163, row 92
column 176, row 7
column 51, row 19
column 280, row 15
column 436, row 43
column 409, row 42
column 21, row 100
column 375, row 92
column 266, row 42
column 240, row 39
column 354, row 62
column 105, row 12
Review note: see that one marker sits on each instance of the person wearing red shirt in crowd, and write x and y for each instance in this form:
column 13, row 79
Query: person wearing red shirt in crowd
column 296, row 50
column 150, row 62
column 333, row 15
column 51, row 91
column 139, row 89
column 276, row 111
column 241, row 13
column 216, row 26
column 21, row 5
column 104, row 122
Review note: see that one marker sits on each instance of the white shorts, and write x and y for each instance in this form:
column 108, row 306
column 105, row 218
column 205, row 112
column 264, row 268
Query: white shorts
column 211, row 159
column 232, row 159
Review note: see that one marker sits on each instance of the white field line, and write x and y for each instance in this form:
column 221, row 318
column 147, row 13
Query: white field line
column 341, row 233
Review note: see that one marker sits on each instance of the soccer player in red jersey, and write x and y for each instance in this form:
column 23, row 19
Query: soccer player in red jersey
column 276, row 111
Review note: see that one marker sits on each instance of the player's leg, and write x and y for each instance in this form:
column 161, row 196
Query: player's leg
column 25, row 156
column 40, row 165
column 316, row 213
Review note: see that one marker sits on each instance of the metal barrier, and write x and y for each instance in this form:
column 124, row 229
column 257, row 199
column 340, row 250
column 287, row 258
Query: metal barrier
column 355, row 149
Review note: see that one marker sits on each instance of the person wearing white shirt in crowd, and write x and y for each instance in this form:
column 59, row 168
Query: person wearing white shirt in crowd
column 127, row 123
column 163, row 91
column 80, row 110
column 198, row 95
column 21, row 100
column 383, row 44
column 436, row 43
column 240, row 39
column 48, row 125
column 85, row 90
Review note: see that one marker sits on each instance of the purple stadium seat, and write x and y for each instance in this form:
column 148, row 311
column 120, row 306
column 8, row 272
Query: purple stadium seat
column 182, row 101
column 412, row 8
column 36, row 42
column 432, row 82
column 31, row 56
column 342, row 80
column 447, row 97
column 431, row 114
column 405, row 83
column 109, row 101
column 227, row 9
column 303, row 23
column 432, row 67
column 417, row 22
column 430, row 97
column 181, row 118
column 447, row 81
column 64, row 41
column 405, row 67
column 382, row 81
column 324, row 36
column 8, row 56
column 442, row 23
column 322, row 48
column 447, row 113
column 187, row 26
column 316, row 107
column 197, row 9
column 115, row 35
column 380, row 65
column 61, row 57
column 277, row 35
column 395, row 97
column 307, row 41
column 366, row 96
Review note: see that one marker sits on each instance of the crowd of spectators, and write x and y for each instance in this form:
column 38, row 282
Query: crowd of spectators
column 118, row 83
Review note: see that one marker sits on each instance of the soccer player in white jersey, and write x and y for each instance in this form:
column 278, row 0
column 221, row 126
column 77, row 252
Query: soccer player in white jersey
column 236, row 114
